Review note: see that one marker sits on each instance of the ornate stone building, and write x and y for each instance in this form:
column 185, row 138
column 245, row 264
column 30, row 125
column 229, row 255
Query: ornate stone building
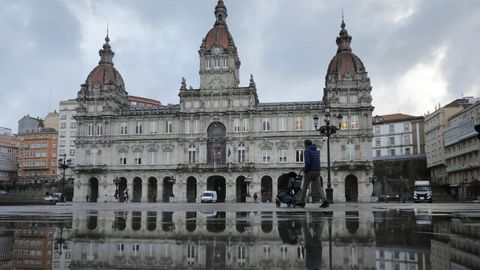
column 219, row 136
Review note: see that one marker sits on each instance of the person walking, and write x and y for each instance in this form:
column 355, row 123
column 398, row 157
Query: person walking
column 312, row 173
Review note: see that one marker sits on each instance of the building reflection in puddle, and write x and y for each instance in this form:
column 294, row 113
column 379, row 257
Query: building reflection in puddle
column 241, row 240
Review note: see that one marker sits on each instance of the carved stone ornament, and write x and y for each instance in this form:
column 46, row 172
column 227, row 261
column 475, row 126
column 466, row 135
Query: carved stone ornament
column 216, row 83
column 122, row 148
column 137, row 148
column 167, row 148
column 153, row 147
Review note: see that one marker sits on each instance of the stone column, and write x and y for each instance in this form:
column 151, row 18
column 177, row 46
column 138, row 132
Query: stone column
column 145, row 190
column 159, row 190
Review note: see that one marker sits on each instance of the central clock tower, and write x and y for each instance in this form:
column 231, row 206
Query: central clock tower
column 219, row 62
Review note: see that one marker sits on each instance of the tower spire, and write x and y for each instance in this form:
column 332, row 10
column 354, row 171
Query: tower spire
column 220, row 12
column 106, row 53
column 344, row 39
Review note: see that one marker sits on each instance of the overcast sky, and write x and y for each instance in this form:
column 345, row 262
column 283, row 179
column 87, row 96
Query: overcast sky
column 418, row 53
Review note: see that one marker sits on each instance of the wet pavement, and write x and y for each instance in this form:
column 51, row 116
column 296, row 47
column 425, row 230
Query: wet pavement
column 240, row 236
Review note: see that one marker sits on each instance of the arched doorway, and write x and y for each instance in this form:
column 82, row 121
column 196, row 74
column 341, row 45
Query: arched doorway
column 351, row 188
column 136, row 220
column 217, row 183
column 93, row 189
column 352, row 222
column 241, row 189
column 191, row 189
column 167, row 189
column 266, row 188
column 216, row 144
column 216, row 222
column 267, row 222
column 122, row 188
column 151, row 220
column 92, row 221
column 152, row 189
column 191, row 221
column 137, row 189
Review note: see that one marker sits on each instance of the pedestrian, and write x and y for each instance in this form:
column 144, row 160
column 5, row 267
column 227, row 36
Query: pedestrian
column 87, row 197
column 255, row 197
column 312, row 173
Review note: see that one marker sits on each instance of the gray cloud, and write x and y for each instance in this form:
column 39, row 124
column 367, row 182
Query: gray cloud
column 49, row 47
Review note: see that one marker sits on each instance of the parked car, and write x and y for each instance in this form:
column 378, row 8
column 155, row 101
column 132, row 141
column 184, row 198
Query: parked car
column 209, row 196
column 3, row 192
column 51, row 198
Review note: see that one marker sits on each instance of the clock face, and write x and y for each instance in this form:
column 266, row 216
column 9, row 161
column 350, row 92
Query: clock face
column 216, row 50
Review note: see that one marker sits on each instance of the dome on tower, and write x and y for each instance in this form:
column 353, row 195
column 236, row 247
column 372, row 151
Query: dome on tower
column 105, row 73
column 345, row 64
column 219, row 34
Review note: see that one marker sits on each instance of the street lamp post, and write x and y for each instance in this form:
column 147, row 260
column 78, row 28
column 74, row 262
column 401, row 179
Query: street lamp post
column 327, row 130
column 64, row 164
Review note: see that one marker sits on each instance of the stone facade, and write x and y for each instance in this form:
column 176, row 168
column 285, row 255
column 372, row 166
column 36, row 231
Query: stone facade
column 219, row 136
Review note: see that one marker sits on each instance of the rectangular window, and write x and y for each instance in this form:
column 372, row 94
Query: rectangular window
column 343, row 98
column 123, row 159
column 123, row 128
column 89, row 129
column 391, row 140
column 241, row 155
column 407, row 151
column 353, row 99
column 392, row 152
column 72, row 152
column 354, row 124
column 406, row 139
column 138, row 128
column 377, row 130
column 283, row 156
column 266, row 124
column 168, row 127
column 63, row 125
column 99, row 129
column 187, row 126
column 378, row 142
column 138, row 159
column 245, row 124
column 236, row 125
column 391, row 128
column 378, row 153
column 153, row 127
column 151, row 158
column 196, row 125
column 62, row 134
column 299, row 123
column 72, row 125
column 208, row 63
column 299, row 155
column 282, row 124
column 266, row 156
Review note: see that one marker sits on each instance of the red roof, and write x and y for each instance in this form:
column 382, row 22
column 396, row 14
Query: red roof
column 396, row 117
column 141, row 101
column 218, row 34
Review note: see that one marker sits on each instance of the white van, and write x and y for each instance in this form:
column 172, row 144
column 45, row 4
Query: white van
column 209, row 196
column 422, row 191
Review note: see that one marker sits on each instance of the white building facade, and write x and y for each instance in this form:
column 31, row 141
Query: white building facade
column 219, row 137
column 67, row 132
column 398, row 136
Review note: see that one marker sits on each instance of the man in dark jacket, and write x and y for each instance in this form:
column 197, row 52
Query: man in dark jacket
column 312, row 173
